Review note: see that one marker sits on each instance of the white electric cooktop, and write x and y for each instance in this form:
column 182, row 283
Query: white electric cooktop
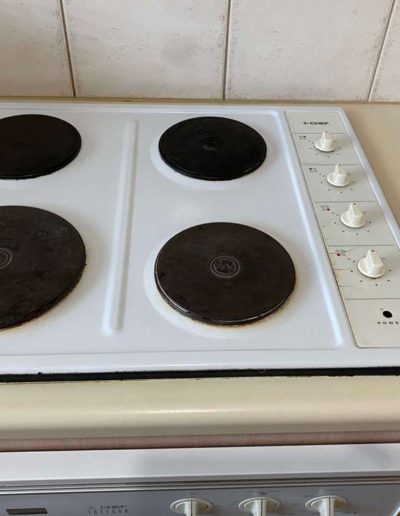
column 300, row 272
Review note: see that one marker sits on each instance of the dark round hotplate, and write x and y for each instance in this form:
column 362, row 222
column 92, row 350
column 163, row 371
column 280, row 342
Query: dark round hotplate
column 224, row 273
column 36, row 145
column 42, row 257
column 212, row 148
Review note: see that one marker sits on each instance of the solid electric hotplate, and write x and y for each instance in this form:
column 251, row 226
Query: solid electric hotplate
column 181, row 239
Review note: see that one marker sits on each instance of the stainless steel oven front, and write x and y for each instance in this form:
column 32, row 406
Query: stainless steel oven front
column 286, row 480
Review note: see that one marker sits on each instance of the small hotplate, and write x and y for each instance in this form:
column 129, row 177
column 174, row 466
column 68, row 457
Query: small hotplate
column 36, row 145
column 212, row 148
column 42, row 257
column 224, row 273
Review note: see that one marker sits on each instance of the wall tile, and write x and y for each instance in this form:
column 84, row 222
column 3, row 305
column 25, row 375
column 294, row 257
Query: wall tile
column 33, row 58
column 304, row 49
column 387, row 81
column 147, row 48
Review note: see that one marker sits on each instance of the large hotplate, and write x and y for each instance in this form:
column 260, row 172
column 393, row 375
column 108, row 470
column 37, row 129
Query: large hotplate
column 224, row 273
column 42, row 257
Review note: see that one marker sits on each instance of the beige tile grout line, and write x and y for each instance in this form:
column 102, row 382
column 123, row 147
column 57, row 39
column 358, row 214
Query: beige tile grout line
column 227, row 35
column 381, row 49
column 71, row 70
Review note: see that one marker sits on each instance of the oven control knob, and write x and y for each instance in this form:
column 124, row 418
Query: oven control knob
column 326, row 143
column 191, row 506
column 353, row 217
column 371, row 265
column 339, row 177
column 260, row 506
column 326, row 505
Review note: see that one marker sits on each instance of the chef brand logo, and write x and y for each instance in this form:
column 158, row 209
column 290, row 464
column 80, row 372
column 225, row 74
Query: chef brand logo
column 108, row 509
column 225, row 266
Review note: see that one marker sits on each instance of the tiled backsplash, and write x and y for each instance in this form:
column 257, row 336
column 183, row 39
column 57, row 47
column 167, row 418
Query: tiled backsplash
column 237, row 49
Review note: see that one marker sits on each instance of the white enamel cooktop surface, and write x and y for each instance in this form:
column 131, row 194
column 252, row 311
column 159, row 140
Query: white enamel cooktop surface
column 126, row 203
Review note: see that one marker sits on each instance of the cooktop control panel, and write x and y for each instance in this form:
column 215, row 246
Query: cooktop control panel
column 350, row 212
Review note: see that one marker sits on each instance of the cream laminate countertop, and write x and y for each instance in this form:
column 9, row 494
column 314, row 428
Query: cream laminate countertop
column 220, row 411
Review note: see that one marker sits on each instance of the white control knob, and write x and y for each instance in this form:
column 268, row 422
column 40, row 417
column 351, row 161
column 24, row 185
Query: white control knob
column 191, row 506
column 339, row 177
column 353, row 217
column 371, row 265
column 326, row 505
column 326, row 143
column 260, row 506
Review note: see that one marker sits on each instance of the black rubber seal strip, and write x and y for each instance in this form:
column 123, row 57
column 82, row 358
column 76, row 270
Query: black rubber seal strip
column 230, row 373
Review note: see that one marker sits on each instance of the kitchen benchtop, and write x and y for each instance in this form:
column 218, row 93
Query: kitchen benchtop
column 220, row 411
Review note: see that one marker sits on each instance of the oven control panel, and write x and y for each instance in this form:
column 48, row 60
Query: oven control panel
column 361, row 246
column 256, row 499
column 330, row 480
